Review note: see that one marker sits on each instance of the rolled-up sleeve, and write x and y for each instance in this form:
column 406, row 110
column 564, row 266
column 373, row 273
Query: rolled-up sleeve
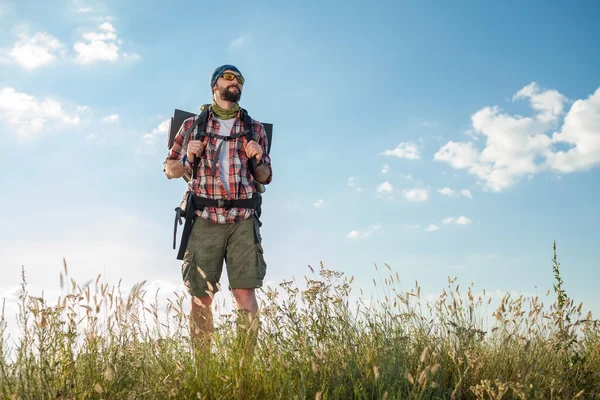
column 179, row 147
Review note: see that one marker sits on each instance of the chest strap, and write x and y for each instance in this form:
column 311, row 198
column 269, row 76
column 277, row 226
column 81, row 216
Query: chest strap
column 224, row 139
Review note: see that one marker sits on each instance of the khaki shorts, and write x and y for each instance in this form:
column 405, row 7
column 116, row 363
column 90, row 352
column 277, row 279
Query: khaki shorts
column 238, row 244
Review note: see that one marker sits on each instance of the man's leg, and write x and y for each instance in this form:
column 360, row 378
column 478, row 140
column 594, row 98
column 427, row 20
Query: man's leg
column 201, row 271
column 246, row 268
column 247, row 319
column 201, row 322
column 245, row 299
column 247, row 307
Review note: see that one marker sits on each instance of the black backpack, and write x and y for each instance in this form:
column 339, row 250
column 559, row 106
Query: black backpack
column 191, row 202
column 180, row 116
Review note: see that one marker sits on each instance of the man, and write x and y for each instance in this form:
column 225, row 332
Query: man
column 222, row 233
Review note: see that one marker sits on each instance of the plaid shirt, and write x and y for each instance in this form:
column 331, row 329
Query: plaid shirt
column 241, row 181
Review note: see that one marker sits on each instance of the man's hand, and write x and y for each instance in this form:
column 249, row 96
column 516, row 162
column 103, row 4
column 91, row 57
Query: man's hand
column 173, row 169
column 195, row 148
column 253, row 149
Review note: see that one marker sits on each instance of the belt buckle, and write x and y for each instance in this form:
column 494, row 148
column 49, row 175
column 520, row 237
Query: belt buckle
column 224, row 203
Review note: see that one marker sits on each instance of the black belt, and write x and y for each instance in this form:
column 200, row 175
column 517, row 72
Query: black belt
column 192, row 202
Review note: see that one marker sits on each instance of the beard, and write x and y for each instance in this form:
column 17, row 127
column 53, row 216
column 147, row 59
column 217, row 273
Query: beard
column 228, row 94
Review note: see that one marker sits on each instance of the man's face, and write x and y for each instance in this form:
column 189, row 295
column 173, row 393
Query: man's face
column 229, row 90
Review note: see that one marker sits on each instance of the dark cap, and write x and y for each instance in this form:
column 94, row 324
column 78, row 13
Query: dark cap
column 219, row 70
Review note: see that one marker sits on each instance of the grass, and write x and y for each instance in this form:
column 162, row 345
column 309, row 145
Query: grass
column 313, row 344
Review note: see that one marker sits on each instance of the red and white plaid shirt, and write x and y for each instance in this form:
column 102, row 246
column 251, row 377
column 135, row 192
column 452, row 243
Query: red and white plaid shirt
column 241, row 181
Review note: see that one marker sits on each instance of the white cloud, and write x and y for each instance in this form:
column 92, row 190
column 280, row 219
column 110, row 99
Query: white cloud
column 116, row 244
column 28, row 116
column 131, row 57
column 404, row 150
column 111, row 118
column 447, row 191
column 318, row 203
column 102, row 45
column 385, row 169
column 518, row 146
column 82, row 108
column 416, row 194
column 84, row 9
column 32, row 52
column 458, row 221
column 463, row 221
column 356, row 234
column 158, row 133
column 432, row 228
column 581, row 129
column 385, row 189
column 549, row 103
column 353, row 234
column 353, row 185
column 458, row 155
column 107, row 32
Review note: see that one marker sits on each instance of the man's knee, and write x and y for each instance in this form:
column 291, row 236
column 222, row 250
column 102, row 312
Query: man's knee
column 245, row 298
column 243, row 293
column 201, row 302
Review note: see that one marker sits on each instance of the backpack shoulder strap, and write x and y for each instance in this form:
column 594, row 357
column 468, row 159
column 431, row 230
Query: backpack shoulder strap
column 248, row 133
column 247, row 125
column 200, row 122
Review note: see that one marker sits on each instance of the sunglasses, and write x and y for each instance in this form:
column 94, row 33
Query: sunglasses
column 231, row 76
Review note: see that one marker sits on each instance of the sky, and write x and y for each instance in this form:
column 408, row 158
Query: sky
column 445, row 139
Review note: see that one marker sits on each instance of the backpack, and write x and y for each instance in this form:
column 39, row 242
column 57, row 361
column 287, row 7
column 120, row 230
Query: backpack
column 192, row 202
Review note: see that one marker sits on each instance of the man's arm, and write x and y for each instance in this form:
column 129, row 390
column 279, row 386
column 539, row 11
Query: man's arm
column 174, row 169
column 172, row 166
column 264, row 171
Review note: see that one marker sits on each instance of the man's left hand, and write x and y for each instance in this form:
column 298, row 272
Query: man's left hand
column 253, row 149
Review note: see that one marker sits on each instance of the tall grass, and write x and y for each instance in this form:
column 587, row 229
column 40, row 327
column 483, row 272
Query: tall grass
column 313, row 344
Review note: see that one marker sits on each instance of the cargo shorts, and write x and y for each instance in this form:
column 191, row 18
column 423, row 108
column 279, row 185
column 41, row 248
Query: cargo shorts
column 239, row 244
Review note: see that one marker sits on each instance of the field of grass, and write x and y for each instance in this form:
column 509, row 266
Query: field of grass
column 313, row 343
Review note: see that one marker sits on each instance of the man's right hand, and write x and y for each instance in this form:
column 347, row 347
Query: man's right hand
column 195, row 148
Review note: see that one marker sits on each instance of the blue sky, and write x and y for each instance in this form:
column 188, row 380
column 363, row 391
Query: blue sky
column 442, row 139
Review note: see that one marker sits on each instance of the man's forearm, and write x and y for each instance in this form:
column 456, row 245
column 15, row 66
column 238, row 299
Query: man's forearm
column 262, row 173
column 174, row 169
